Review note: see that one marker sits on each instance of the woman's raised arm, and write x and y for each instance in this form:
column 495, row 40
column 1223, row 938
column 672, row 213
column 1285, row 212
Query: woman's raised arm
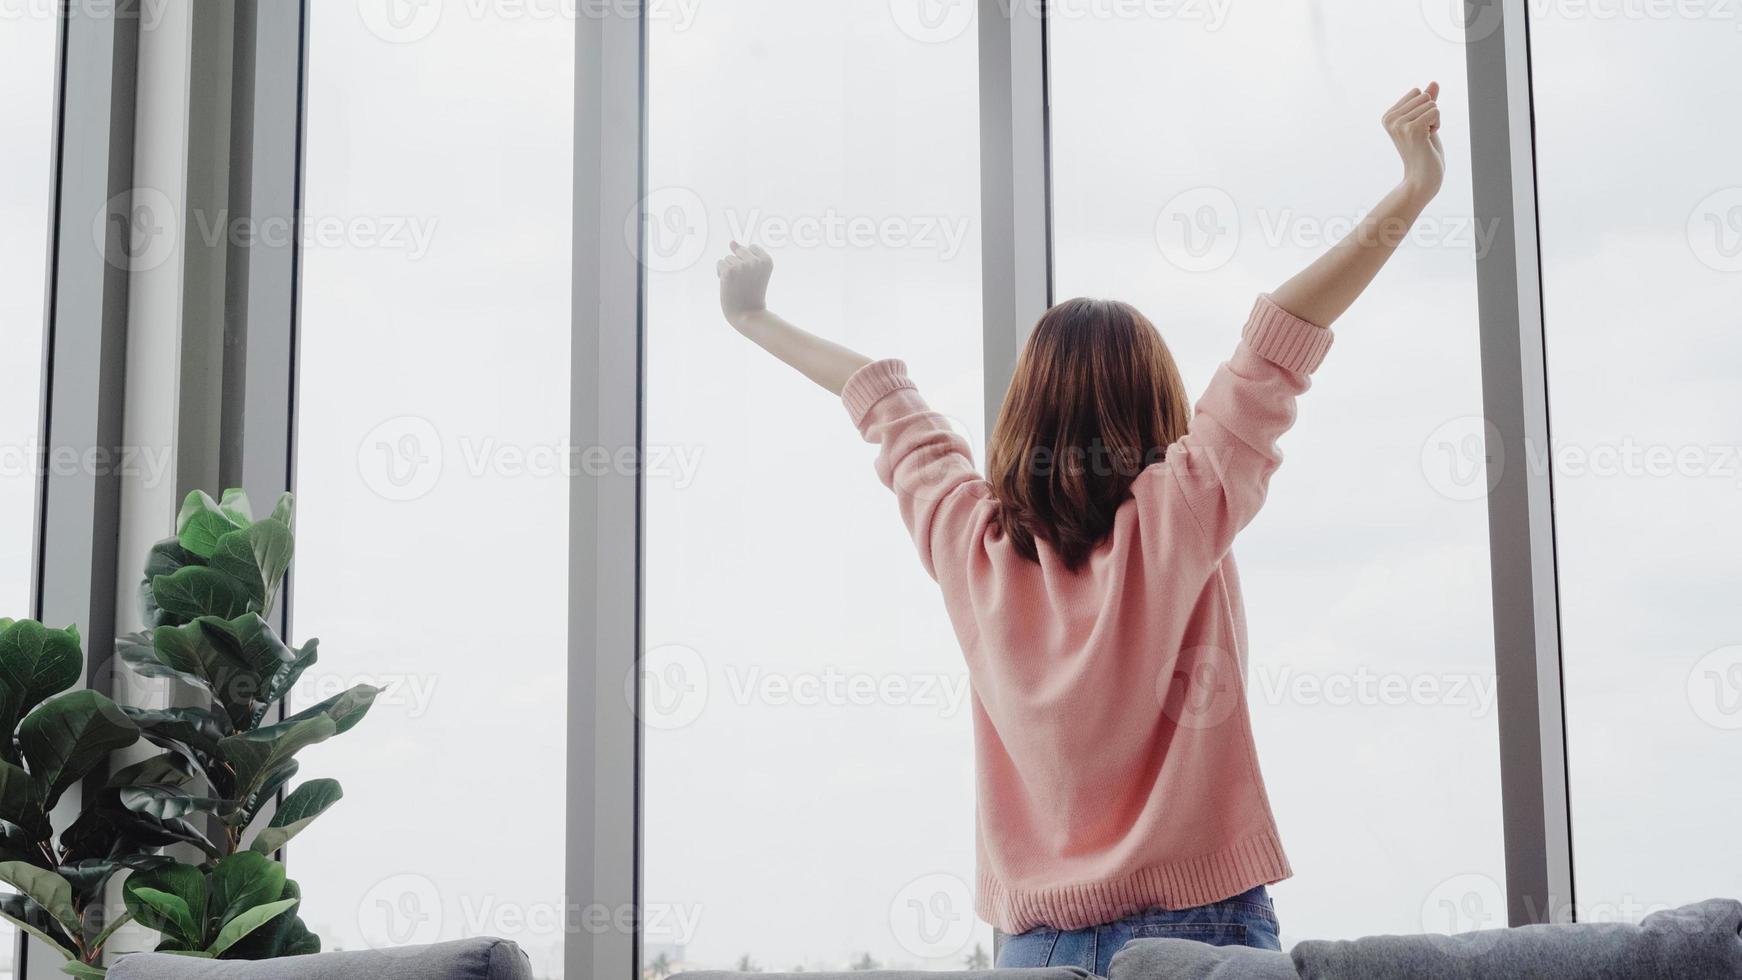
column 744, row 299
column 1325, row 290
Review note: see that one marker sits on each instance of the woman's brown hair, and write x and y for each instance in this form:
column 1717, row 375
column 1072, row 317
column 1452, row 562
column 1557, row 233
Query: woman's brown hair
column 1096, row 398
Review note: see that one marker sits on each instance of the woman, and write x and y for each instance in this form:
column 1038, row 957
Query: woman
column 1089, row 581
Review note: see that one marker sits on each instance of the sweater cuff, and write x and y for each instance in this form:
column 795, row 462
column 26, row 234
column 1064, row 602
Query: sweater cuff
column 870, row 384
column 1284, row 339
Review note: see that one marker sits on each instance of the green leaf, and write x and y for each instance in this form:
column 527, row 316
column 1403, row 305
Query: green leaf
column 166, row 558
column 257, row 556
column 346, row 708
column 201, row 523
column 239, row 927
column 147, row 895
column 242, row 881
column 88, row 877
column 192, row 733
column 19, row 804
column 30, row 917
column 231, row 659
column 236, row 507
column 286, row 935
column 106, row 827
column 298, row 810
column 279, row 684
column 84, row 971
column 69, row 736
column 284, row 512
column 101, row 939
column 172, row 910
column 45, row 888
column 197, row 590
column 36, row 663
column 254, row 755
column 168, row 802
column 168, row 768
column 276, row 778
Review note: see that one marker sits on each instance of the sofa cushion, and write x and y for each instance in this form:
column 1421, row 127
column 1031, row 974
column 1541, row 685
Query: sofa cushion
column 466, row 959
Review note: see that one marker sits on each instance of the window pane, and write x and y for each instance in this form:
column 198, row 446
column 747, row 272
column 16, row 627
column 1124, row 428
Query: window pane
column 27, row 67
column 812, row 795
column 433, row 407
column 1206, row 155
column 1642, row 269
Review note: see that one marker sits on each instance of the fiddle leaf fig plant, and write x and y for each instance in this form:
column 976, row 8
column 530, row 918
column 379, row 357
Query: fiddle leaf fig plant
column 207, row 594
column 54, row 738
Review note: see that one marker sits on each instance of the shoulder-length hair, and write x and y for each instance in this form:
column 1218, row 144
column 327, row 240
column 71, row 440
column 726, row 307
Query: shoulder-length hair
column 1096, row 399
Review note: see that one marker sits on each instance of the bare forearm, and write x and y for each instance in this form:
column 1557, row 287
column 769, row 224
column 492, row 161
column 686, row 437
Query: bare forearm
column 1325, row 290
column 823, row 361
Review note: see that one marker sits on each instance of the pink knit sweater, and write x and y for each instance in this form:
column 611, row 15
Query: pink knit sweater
column 1115, row 764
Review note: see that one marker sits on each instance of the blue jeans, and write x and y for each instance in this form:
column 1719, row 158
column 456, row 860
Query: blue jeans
column 1247, row 919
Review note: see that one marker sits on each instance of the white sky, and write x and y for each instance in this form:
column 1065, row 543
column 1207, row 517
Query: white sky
column 802, row 833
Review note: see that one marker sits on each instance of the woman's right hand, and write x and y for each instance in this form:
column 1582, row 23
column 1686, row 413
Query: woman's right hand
column 744, row 283
column 1414, row 124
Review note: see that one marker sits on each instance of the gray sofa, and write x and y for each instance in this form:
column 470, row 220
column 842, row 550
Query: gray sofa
column 468, row 959
column 1702, row 941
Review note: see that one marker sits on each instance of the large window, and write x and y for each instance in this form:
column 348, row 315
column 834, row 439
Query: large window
column 432, row 417
column 1642, row 270
column 27, row 65
column 1202, row 154
column 808, row 761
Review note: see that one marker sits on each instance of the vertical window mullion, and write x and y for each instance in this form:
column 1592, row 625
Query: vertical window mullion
column 605, row 509
column 1527, row 647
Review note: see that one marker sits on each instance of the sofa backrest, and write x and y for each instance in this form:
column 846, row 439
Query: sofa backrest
column 466, row 959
